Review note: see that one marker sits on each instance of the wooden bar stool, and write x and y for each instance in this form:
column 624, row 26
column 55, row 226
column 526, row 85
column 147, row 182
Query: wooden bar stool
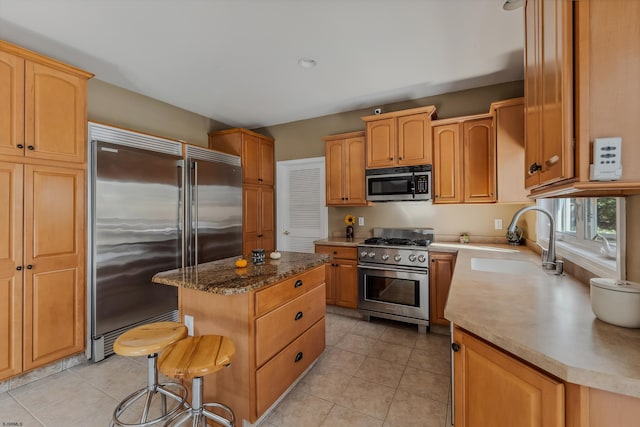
column 195, row 357
column 148, row 340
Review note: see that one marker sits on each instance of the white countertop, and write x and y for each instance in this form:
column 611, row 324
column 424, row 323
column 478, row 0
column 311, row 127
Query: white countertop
column 543, row 319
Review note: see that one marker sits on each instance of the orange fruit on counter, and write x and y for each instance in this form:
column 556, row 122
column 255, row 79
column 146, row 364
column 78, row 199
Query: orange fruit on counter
column 241, row 263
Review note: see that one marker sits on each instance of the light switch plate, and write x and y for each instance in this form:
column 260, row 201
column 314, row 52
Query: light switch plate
column 360, row 221
column 497, row 223
column 188, row 322
column 607, row 158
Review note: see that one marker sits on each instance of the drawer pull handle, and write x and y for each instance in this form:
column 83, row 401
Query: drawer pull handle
column 299, row 315
column 298, row 357
column 298, row 283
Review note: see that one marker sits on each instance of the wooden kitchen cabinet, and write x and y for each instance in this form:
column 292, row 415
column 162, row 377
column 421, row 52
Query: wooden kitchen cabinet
column 341, row 275
column 257, row 158
column 255, row 150
column 493, row 388
column 548, row 91
column 400, row 138
column 464, row 164
column 581, row 63
column 43, row 135
column 43, row 112
column 258, row 224
column 345, row 173
column 45, row 293
column 441, row 265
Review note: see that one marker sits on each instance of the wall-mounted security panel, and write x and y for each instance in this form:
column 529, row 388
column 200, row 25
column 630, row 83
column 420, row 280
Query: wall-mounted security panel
column 607, row 159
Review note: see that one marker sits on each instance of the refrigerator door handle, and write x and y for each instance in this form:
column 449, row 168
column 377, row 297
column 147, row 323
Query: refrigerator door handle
column 181, row 212
column 194, row 210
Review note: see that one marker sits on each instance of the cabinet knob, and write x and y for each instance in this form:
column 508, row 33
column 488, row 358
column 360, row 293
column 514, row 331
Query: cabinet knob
column 260, row 179
column 298, row 283
column 19, row 268
column 298, row 357
column 299, row 315
column 534, row 168
column 20, row 146
column 259, row 235
column 335, row 252
column 30, row 147
column 455, row 347
column 553, row 160
column 29, row 267
column 390, row 158
column 399, row 158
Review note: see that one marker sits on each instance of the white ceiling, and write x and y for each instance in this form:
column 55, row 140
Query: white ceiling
column 235, row 61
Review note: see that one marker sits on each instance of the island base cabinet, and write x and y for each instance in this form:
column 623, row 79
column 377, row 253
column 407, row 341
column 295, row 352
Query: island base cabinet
column 278, row 374
column 491, row 388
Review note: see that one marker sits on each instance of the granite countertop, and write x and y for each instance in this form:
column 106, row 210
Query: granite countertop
column 543, row 319
column 223, row 277
column 340, row 241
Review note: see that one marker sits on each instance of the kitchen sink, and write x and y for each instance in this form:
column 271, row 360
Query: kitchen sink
column 509, row 266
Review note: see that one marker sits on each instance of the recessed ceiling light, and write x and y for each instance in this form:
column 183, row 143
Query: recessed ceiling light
column 307, row 62
column 512, row 4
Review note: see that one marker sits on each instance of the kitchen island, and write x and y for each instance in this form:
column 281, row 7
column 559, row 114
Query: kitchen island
column 273, row 312
column 525, row 326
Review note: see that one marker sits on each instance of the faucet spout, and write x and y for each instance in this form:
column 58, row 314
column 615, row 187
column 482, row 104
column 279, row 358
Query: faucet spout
column 549, row 261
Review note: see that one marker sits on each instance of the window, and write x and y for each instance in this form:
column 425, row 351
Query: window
column 587, row 232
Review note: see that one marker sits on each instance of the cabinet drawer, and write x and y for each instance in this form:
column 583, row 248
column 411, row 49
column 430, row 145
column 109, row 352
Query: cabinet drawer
column 280, row 293
column 277, row 375
column 343, row 252
column 281, row 326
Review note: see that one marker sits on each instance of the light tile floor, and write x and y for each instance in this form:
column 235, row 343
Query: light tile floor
column 377, row 373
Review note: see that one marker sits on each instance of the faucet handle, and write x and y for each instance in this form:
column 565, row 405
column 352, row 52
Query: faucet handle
column 545, row 255
column 559, row 267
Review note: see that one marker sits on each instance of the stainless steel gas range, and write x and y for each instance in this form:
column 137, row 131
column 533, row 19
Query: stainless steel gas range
column 393, row 275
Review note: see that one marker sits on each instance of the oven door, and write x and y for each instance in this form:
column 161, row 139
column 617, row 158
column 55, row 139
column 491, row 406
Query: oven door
column 391, row 290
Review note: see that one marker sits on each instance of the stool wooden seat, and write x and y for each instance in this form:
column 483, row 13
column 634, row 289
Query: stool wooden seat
column 148, row 340
column 193, row 358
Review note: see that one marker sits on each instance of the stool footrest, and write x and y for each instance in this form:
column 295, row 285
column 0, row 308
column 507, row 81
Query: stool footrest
column 149, row 392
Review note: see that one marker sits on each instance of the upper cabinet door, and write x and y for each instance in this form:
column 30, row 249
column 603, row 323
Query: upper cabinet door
column 479, row 150
column 250, row 159
column 354, row 171
column 335, row 167
column 414, row 139
column 266, row 163
column 55, row 114
column 381, row 143
column 447, row 164
column 11, row 104
column 549, row 151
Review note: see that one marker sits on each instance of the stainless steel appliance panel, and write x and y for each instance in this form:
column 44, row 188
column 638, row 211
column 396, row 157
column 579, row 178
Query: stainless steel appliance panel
column 216, row 211
column 137, row 232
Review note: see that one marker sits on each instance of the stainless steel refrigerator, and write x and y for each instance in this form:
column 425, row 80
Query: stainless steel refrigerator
column 152, row 210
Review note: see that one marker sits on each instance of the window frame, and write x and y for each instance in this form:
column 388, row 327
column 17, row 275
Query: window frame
column 584, row 252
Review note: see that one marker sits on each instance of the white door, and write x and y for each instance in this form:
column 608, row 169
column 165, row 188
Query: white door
column 302, row 214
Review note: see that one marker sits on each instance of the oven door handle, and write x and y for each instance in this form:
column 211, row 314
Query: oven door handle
column 393, row 268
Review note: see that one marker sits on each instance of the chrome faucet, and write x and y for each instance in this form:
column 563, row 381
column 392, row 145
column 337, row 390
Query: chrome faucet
column 549, row 261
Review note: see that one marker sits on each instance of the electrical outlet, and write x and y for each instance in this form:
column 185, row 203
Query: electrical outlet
column 497, row 223
column 360, row 221
column 188, row 322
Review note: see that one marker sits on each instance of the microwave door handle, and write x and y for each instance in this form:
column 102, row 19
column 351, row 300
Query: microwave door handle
column 413, row 185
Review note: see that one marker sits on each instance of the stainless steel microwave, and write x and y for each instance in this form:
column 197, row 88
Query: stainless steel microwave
column 399, row 184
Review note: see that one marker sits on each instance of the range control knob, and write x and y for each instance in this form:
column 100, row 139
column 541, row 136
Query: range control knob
column 397, row 258
column 412, row 257
column 421, row 258
column 385, row 257
column 363, row 254
column 371, row 254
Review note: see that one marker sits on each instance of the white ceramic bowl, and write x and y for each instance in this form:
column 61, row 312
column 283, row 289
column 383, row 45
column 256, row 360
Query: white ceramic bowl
column 616, row 301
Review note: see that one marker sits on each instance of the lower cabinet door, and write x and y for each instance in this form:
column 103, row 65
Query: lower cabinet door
column 281, row 371
column 492, row 388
